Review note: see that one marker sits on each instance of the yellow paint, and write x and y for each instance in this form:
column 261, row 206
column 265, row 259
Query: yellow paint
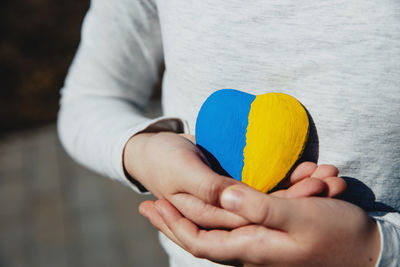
column 276, row 136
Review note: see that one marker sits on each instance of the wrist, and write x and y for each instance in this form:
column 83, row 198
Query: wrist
column 373, row 244
column 133, row 155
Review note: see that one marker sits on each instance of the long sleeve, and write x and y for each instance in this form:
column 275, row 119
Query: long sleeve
column 389, row 226
column 109, row 84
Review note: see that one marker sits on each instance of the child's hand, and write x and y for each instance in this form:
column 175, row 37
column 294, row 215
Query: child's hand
column 170, row 166
column 286, row 232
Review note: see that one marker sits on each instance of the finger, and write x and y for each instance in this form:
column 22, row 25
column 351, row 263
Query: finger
column 259, row 208
column 334, row 186
column 189, row 235
column 148, row 209
column 303, row 170
column 325, row 170
column 304, row 188
column 327, row 187
column 198, row 179
column 251, row 244
column 205, row 215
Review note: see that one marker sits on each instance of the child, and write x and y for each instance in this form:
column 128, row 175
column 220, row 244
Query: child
column 340, row 59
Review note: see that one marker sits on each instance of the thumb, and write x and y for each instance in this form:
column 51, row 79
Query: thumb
column 259, row 208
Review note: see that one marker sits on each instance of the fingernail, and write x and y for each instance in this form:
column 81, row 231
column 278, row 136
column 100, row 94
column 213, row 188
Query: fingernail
column 143, row 213
column 231, row 199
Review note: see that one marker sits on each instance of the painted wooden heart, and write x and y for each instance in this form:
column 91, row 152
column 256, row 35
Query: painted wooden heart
column 256, row 139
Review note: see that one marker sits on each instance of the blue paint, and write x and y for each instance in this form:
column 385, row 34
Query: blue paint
column 221, row 128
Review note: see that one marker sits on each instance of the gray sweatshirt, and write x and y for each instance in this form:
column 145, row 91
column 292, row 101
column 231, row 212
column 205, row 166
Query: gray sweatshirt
column 340, row 58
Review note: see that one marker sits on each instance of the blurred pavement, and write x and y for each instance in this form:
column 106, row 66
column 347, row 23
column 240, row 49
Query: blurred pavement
column 55, row 213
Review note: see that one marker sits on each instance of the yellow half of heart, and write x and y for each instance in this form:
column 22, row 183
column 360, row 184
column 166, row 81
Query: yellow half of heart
column 276, row 136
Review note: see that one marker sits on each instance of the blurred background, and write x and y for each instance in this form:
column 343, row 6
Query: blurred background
column 52, row 211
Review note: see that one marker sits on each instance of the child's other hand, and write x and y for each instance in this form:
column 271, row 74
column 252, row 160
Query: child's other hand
column 311, row 231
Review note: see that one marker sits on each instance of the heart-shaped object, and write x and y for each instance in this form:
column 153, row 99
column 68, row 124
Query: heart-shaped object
column 256, row 139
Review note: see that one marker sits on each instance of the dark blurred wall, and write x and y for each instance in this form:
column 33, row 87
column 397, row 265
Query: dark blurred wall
column 38, row 39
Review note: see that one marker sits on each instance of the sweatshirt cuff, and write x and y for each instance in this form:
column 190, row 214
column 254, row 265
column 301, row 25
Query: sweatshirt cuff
column 390, row 244
column 161, row 124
